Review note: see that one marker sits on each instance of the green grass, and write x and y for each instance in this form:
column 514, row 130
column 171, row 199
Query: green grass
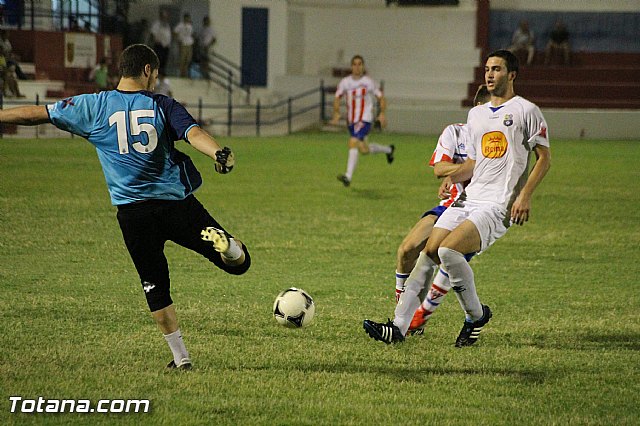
column 563, row 347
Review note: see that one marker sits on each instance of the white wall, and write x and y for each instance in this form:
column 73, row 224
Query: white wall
column 393, row 41
column 226, row 18
column 569, row 5
column 306, row 35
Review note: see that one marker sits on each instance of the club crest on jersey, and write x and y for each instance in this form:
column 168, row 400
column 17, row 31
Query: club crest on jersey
column 67, row 102
column 508, row 120
column 494, row 145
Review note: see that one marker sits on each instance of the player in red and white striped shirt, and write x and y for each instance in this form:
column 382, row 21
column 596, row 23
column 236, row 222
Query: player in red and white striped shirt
column 360, row 92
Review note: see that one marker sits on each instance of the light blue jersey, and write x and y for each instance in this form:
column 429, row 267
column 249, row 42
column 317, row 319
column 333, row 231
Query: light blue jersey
column 134, row 135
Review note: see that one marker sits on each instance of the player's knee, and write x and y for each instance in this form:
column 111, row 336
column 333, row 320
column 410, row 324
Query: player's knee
column 432, row 251
column 450, row 256
column 402, row 250
column 157, row 295
column 408, row 250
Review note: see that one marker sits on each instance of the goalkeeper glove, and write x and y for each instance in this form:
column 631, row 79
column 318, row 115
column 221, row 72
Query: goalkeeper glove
column 224, row 160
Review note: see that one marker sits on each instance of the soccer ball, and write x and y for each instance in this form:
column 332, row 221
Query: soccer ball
column 294, row 308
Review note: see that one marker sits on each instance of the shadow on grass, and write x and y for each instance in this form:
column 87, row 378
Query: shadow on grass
column 584, row 341
column 625, row 341
column 371, row 194
column 412, row 374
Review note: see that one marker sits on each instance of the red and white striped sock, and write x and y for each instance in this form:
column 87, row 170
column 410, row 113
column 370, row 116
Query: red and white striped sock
column 439, row 289
column 401, row 278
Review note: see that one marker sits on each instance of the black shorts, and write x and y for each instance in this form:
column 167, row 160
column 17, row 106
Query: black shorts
column 148, row 225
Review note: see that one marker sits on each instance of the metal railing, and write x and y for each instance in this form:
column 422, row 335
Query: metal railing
column 227, row 75
column 259, row 115
column 104, row 16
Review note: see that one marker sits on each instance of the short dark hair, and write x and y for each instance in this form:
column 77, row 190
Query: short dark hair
column 135, row 57
column 509, row 58
column 357, row 57
column 482, row 95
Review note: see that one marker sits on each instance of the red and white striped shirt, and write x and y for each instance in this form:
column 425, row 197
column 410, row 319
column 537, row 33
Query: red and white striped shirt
column 360, row 96
column 452, row 148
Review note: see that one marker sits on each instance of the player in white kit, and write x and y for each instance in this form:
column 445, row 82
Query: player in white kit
column 360, row 91
column 448, row 156
column 503, row 132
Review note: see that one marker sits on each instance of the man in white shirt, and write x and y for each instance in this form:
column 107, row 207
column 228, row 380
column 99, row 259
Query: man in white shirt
column 161, row 33
column 360, row 91
column 450, row 153
column 184, row 34
column 523, row 42
column 503, row 134
column 206, row 40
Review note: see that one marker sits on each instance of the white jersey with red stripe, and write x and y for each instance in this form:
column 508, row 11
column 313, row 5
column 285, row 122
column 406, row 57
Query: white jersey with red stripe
column 452, row 148
column 360, row 94
column 502, row 139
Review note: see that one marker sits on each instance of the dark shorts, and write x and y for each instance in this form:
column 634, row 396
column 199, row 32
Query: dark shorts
column 436, row 211
column 359, row 130
column 148, row 225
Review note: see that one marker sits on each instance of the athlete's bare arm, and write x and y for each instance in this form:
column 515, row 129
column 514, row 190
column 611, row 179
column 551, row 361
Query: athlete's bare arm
column 382, row 117
column 444, row 168
column 25, row 115
column 203, row 142
column 335, row 119
column 464, row 172
column 521, row 207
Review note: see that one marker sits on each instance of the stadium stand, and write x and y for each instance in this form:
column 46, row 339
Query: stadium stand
column 42, row 53
column 605, row 60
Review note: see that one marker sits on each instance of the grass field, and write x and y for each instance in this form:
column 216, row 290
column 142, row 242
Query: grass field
column 563, row 346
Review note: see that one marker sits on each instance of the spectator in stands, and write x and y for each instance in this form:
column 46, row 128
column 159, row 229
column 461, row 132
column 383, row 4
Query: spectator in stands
column 163, row 85
column 558, row 41
column 184, row 34
column 144, row 32
column 73, row 24
column 522, row 42
column 5, row 44
column 161, row 37
column 100, row 75
column 206, row 40
column 10, row 57
column 9, row 80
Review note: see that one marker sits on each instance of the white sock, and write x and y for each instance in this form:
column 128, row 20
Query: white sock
column 234, row 251
column 462, row 282
column 439, row 289
column 352, row 162
column 375, row 148
column 410, row 300
column 176, row 344
column 401, row 278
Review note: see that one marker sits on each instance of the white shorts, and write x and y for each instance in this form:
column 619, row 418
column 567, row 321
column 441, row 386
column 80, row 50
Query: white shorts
column 489, row 219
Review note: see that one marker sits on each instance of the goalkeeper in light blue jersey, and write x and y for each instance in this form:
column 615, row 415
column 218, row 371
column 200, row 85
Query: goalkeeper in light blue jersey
column 149, row 180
